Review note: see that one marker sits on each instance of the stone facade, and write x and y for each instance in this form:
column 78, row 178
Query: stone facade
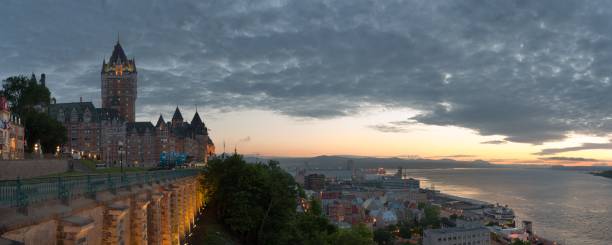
column 141, row 142
column 166, row 216
column 74, row 230
column 154, row 219
column 91, row 132
column 112, row 134
column 114, row 224
column 139, row 227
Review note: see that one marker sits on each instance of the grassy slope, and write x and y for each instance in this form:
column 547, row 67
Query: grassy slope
column 209, row 231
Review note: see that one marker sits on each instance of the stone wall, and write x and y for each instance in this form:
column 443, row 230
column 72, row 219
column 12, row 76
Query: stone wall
column 31, row 168
column 150, row 214
column 42, row 233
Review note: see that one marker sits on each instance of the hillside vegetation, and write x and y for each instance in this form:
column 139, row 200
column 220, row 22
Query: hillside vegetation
column 257, row 204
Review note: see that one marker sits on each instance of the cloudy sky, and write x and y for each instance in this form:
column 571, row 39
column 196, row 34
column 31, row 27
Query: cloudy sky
column 506, row 81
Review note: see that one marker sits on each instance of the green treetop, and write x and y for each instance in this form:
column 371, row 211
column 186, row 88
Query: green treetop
column 30, row 99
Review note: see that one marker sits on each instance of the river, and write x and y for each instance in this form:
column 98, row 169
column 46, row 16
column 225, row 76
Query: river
column 568, row 206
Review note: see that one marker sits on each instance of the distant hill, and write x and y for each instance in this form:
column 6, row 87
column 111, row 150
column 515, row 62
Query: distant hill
column 581, row 168
column 337, row 162
column 607, row 174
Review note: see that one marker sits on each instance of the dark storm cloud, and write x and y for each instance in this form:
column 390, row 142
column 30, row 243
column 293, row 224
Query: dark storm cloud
column 388, row 128
column 531, row 71
column 570, row 159
column 494, row 142
column 584, row 146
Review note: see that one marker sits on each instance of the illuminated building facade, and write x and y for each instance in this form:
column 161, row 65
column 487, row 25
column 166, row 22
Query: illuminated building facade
column 119, row 84
column 12, row 136
column 92, row 132
column 112, row 135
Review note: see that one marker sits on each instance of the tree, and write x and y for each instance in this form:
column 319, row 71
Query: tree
column 30, row 99
column 257, row 203
column 41, row 128
column 383, row 236
column 357, row 235
column 432, row 216
column 310, row 228
column 405, row 231
column 315, row 207
column 25, row 94
column 519, row 242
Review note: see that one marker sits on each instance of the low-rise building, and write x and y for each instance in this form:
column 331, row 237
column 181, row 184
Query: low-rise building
column 333, row 175
column 315, row 182
column 397, row 182
column 457, row 235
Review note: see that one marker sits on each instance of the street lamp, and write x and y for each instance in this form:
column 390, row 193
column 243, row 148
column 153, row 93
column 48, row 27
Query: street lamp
column 121, row 155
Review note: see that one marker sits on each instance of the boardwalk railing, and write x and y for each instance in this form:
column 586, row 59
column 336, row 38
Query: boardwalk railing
column 23, row 192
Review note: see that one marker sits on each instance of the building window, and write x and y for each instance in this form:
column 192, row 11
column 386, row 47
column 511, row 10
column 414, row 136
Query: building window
column 87, row 116
column 60, row 116
column 74, row 117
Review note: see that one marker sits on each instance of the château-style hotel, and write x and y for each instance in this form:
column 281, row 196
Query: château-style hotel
column 111, row 134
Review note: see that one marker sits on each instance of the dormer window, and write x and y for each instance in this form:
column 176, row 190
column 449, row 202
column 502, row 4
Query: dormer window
column 118, row 70
column 87, row 116
column 74, row 116
column 60, row 116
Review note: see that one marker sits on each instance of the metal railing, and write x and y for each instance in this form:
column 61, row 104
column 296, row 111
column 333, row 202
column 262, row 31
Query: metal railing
column 23, row 192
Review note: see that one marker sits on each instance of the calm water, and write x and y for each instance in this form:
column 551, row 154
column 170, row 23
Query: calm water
column 571, row 207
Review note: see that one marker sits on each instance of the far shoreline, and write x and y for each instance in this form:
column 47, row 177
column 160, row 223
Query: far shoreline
column 605, row 174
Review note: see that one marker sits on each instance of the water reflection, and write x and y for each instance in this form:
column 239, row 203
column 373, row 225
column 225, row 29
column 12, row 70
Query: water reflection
column 575, row 207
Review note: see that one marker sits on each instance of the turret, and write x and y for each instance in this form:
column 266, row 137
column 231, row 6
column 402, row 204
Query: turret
column 43, row 79
column 197, row 124
column 160, row 122
column 177, row 118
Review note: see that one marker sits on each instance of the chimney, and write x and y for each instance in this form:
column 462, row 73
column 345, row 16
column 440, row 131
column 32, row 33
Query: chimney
column 81, row 99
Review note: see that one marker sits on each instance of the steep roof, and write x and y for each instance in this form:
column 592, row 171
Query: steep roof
column 177, row 115
column 160, row 121
column 118, row 56
column 139, row 127
column 196, row 120
column 108, row 114
column 63, row 112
